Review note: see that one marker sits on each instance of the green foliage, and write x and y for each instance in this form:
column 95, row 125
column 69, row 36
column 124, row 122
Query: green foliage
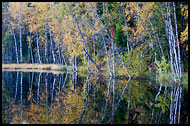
column 163, row 69
column 135, row 64
column 162, row 66
column 163, row 102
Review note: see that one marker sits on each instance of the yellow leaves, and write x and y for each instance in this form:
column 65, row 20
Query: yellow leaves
column 184, row 34
column 185, row 11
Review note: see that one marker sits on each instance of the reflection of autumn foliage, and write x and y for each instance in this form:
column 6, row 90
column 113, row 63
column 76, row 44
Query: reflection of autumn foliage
column 68, row 108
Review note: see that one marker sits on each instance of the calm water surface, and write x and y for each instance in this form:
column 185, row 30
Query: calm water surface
column 29, row 97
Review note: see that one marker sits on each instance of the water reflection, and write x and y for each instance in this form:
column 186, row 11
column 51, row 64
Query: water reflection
column 71, row 98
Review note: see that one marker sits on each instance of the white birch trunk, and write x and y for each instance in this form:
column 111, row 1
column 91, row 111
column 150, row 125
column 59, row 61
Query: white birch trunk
column 179, row 58
column 46, row 35
column 113, row 57
column 17, row 61
column 76, row 69
column 38, row 50
column 126, row 30
column 52, row 51
column 20, row 34
column 86, row 49
column 113, row 45
column 31, row 49
column 107, row 56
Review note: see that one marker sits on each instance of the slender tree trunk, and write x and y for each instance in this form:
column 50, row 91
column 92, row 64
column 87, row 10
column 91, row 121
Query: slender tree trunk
column 158, row 40
column 64, row 81
column 52, row 49
column 113, row 45
column 179, row 58
column 17, row 61
column 46, row 35
column 107, row 56
column 113, row 103
column 76, row 64
column 87, row 65
column 39, row 59
column 20, row 34
column 31, row 86
column 52, row 92
column 38, row 94
column 107, row 96
column 30, row 45
column 86, row 49
column 113, row 57
column 16, row 85
column 59, row 52
column 172, row 44
column 119, row 100
column 127, row 37
column 46, row 95
column 21, row 93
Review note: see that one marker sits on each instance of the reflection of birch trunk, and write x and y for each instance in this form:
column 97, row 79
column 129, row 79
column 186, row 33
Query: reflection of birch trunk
column 128, row 111
column 119, row 100
column 107, row 96
column 113, row 97
column 179, row 108
column 107, row 56
column 165, row 94
column 52, row 92
column 59, row 86
column 38, row 87
column 46, row 95
column 31, row 85
column 84, row 86
column 175, row 106
column 21, row 93
column 86, row 102
column 88, row 81
column 16, row 85
column 64, row 81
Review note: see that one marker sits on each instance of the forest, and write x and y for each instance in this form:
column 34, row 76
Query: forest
column 117, row 38
column 95, row 62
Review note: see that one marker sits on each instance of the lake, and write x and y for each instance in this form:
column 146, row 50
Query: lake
column 46, row 98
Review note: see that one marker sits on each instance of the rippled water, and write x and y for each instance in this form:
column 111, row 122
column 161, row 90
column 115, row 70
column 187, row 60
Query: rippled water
column 37, row 98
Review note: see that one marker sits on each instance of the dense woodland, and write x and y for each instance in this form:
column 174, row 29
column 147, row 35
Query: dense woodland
column 118, row 38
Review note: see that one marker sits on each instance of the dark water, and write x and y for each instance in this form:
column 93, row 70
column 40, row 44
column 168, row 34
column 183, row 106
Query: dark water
column 66, row 98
